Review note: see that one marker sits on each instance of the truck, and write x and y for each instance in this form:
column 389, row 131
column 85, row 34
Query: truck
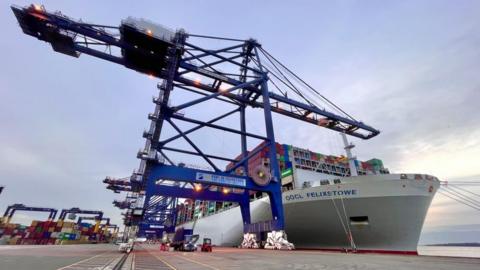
column 184, row 240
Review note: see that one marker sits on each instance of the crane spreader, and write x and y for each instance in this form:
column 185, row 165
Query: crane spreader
column 241, row 74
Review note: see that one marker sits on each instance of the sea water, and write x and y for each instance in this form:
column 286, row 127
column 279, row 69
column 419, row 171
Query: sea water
column 449, row 251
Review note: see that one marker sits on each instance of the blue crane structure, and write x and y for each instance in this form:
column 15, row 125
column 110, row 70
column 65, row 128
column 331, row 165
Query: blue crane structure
column 239, row 75
column 11, row 209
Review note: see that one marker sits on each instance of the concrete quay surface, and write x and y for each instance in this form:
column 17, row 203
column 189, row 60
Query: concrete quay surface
column 150, row 257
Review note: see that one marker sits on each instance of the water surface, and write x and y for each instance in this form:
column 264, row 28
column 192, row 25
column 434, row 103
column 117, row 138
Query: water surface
column 470, row 252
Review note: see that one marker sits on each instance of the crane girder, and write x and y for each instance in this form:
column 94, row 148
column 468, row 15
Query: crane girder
column 72, row 37
column 11, row 209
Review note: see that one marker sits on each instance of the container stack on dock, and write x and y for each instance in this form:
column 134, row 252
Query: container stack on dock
column 51, row 232
column 40, row 233
column 12, row 233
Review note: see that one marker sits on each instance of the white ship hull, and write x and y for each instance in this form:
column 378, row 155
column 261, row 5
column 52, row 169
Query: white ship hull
column 383, row 213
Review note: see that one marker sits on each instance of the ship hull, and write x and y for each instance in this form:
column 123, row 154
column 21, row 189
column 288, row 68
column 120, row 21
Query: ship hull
column 381, row 215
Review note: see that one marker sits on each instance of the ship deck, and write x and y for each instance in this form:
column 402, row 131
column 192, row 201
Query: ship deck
column 150, row 257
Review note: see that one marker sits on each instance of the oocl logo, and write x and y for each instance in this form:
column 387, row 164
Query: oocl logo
column 293, row 197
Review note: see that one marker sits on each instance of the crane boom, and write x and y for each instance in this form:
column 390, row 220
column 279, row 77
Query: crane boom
column 145, row 52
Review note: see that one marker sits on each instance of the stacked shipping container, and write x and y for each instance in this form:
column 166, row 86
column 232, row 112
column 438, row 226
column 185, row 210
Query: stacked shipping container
column 50, row 232
column 289, row 158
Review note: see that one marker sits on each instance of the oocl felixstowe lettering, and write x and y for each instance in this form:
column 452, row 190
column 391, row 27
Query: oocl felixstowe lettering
column 299, row 196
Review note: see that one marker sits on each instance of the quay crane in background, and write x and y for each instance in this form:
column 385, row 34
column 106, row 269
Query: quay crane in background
column 118, row 185
column 104, row 226
column 240, row 74
column 122, row 205
column 11, row 209
column 75, row 210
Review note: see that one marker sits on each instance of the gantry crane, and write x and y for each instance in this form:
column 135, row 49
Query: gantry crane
column 11, row 209
column 75, row 210
column 97, row 219
column 240, row 74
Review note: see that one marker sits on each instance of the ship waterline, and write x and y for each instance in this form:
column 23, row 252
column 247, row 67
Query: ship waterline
column 381, row 213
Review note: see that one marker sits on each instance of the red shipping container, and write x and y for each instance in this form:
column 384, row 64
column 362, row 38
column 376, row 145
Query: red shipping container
column 254, row 159
column 367, row 166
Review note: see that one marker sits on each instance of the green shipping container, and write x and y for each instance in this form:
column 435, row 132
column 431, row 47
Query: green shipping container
column 375, row 162
column 287, row 172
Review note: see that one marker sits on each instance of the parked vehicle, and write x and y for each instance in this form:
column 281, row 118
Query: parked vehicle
column 184, row 240
column 207, row 245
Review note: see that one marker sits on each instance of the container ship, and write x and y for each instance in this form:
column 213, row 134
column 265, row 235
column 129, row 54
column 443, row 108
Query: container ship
column 330, row 203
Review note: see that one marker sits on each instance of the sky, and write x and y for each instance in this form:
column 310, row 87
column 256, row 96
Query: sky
column 407, row 68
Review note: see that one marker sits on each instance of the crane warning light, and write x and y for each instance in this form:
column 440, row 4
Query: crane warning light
column 37, row 7
column 198, row 187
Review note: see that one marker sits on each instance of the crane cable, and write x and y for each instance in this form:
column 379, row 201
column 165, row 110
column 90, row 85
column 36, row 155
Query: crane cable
column 352, row 242
column 289, row 82
column 311, row 101
column 277, row 77
column 453, row 198
column 468, row 191
column 290, row 85
column 306, row 84
column 462, row 196
column 341, row 220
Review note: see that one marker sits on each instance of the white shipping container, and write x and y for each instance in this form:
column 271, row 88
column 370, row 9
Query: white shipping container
column 67, row 230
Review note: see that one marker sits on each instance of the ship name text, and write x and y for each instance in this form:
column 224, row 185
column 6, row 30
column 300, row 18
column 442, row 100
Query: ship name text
column 319, row 194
